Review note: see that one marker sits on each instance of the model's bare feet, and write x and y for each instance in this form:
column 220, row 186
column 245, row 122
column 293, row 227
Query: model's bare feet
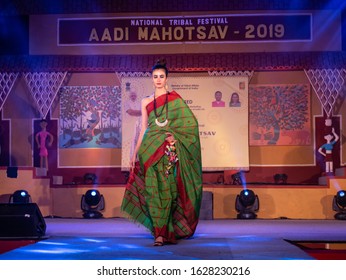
column 158, row 241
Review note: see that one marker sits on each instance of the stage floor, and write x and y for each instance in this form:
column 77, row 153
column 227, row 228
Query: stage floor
column 230, row 239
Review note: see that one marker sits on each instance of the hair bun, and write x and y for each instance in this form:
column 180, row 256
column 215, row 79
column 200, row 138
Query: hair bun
column 161, row 61
column 160, row 64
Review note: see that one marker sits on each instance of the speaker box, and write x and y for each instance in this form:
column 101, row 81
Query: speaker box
column 21, row 220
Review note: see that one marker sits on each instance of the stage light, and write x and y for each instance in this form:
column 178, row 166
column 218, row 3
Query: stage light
column 92, row 203
column 280, row 179
column 339, row 205
column 20, row 196
column 247, row 203
column 90, row 178
column 238, row 178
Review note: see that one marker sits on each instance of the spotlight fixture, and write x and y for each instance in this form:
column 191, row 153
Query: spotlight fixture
column 339, row 205
column 92, row 203
column 247, row 203
column 280, row 179
column 20, row 196
column 237, row 178
column 89, row 178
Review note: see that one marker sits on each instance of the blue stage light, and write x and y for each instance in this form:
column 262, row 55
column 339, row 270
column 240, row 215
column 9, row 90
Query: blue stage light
column 341, row 199
column 247, row 203
column 20, row 196
column 339, row 205
column 92, row 203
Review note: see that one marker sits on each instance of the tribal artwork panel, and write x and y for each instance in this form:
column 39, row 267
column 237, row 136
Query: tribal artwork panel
column 90, row 117
column 280, row 115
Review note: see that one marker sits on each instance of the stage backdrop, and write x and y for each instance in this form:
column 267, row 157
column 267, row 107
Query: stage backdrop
column 220, row 105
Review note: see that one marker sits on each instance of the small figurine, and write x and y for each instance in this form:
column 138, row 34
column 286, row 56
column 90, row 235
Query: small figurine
column 41, row 143
column 328, row 147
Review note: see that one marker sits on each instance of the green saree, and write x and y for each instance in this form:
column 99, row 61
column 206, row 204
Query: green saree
column 167, row 200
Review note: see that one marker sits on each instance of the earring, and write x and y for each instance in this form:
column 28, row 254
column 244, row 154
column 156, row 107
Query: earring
column 166, row 87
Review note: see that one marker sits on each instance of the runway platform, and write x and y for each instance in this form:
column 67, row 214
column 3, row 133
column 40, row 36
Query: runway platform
column 229, row 239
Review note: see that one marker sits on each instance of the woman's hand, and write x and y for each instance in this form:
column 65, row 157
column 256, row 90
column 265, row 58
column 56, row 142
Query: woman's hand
column 170, row 138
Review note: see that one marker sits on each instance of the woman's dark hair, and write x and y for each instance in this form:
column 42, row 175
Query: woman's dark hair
column 160, row 64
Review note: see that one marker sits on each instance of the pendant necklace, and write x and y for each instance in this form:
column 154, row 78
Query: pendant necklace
column 164, row 123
